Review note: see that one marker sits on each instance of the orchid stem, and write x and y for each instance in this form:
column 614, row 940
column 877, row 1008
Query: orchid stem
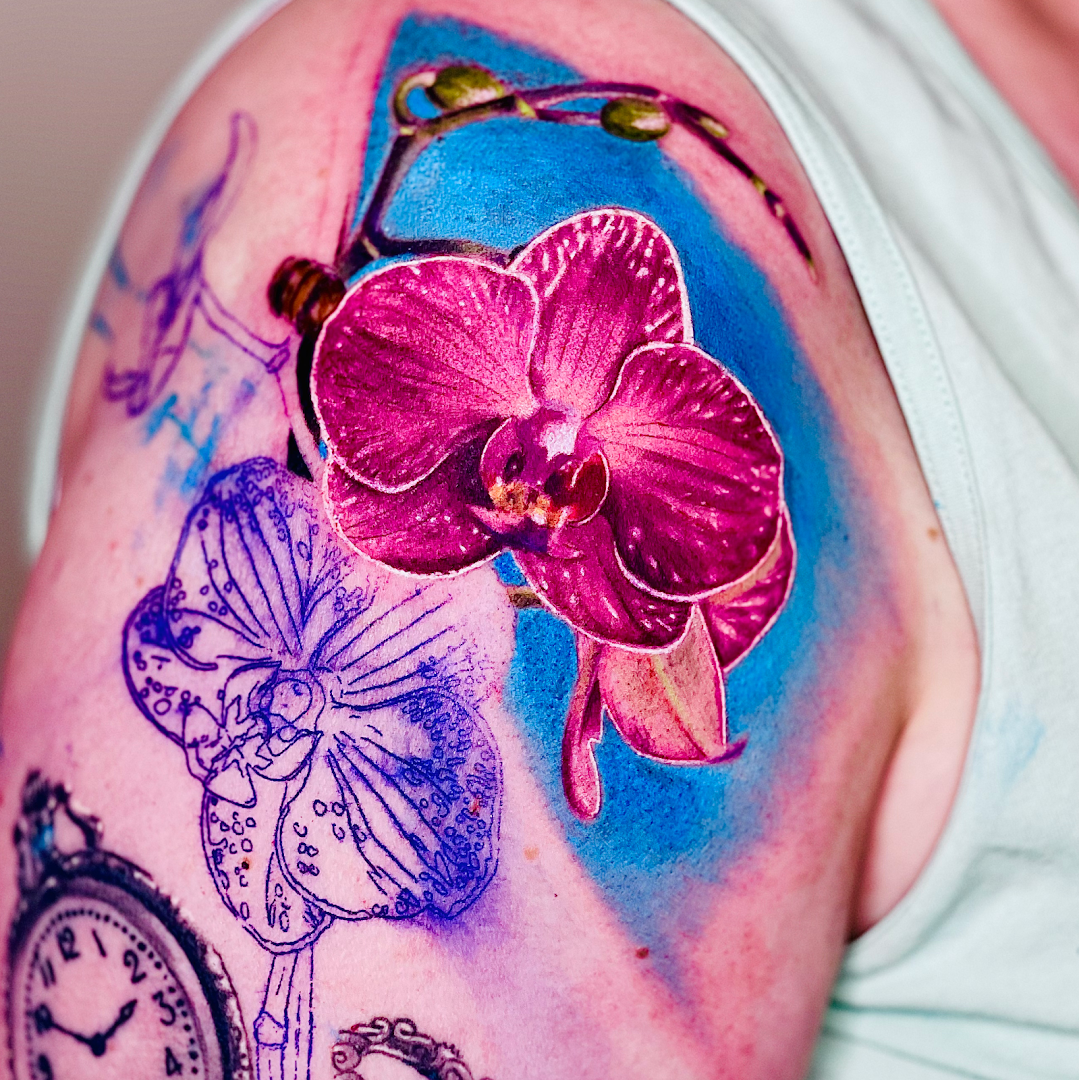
column 285, row 1024
column 368, row 241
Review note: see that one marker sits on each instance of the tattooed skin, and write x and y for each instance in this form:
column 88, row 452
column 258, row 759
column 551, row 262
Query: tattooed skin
column 556, row 406
column 332, row 720
column 490, row 568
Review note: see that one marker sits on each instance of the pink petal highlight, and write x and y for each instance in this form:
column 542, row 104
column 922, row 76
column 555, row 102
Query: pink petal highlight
column 669, row 706
column 737, row 622
column 696, row 474
column 417, row 360
column 428, row 529
column 608, row 281
column 587, row 587
column 584, row 728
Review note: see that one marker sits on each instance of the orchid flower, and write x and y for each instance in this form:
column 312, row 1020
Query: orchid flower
column 557, row 407
column 329, row 710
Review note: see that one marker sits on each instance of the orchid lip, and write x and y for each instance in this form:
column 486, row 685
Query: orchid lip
column 537, row 476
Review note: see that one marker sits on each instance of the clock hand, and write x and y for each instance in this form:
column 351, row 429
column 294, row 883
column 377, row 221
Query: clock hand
column 44, row 1021
column 126, row 1012
column 98, row 1043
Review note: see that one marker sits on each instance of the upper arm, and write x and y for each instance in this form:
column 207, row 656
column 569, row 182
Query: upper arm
column 595, row 623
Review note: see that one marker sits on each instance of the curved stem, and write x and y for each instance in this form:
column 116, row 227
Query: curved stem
column 368, row 241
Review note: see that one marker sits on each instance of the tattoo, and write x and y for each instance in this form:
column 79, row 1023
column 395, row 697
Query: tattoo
column 597, row 394
column 102, row 965
column 587, row 383
column 174, row 299
column 550, row 400
column 181, row 315
column 398, row 1039
column 333, row 722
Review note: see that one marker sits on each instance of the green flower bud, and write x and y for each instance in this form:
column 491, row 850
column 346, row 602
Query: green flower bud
column 636, row 119
column 458, row 87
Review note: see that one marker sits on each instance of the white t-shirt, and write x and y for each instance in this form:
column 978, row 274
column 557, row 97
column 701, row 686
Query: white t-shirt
column 964, row 245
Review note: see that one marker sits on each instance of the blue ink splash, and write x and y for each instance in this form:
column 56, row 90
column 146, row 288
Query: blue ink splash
column 100, row 325
column 501, row 182
column 118, row 270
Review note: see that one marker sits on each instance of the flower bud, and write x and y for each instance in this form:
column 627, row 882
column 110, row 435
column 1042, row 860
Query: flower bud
column 634, row 118
column 305, row 292
column 459, row 86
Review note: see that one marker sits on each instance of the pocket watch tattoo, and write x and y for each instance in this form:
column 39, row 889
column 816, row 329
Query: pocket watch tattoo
column 106, row 980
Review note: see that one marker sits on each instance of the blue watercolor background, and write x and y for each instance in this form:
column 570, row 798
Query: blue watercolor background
column 501, row 182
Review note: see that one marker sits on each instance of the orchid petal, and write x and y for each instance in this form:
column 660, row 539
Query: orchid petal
column 584, row 728
column 608, row 281
column 429, row 529
column 737, row 622
column 401, row 809
column 669, row 706
column 588, row 588
column 696, row 474
column 417, row 360
column 256, row 572
column 239, row 840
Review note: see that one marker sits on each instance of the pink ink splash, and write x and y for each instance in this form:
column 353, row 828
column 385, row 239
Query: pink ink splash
column 557, row 407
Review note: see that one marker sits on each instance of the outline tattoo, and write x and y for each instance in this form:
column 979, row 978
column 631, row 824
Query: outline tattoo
column 176, row 297
column 333, row 722
column 401, row 1040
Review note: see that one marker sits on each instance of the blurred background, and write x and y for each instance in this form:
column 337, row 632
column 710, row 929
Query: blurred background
column 79, row 81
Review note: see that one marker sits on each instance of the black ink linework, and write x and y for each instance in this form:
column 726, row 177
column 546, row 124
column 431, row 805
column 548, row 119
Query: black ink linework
column 72, row 891
column 334, row 727
column 401, row 1040
column 174, row 300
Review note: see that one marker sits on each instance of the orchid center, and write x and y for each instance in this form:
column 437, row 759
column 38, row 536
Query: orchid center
column 537, row 473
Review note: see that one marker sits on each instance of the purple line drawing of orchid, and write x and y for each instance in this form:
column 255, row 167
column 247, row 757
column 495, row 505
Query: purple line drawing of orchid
column 178, row 296
column 331, row 713
column 557, row 408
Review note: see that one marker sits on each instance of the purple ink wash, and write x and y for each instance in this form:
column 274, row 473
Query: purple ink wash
column 555, row 408
column 332, row 722
column 178, row 296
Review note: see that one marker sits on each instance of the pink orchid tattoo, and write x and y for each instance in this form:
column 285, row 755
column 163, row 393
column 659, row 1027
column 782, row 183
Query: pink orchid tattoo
column 557, row 408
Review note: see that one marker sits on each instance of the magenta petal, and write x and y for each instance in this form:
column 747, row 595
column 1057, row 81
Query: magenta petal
column 416, row 360
column 737, row 622
column 668, row 706
column 427, row 529
column 584, row 728
column 589, row 589
column 608, row 281
column 696, row 474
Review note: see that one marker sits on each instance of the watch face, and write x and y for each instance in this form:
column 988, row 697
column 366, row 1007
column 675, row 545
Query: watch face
column 102, row 989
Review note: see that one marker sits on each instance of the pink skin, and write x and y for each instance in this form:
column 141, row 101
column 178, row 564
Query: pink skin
column 558, row 408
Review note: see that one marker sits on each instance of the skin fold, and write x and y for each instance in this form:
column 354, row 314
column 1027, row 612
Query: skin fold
column 545, row 973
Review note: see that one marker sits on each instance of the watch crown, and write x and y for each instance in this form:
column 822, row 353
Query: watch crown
column 48, row 830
